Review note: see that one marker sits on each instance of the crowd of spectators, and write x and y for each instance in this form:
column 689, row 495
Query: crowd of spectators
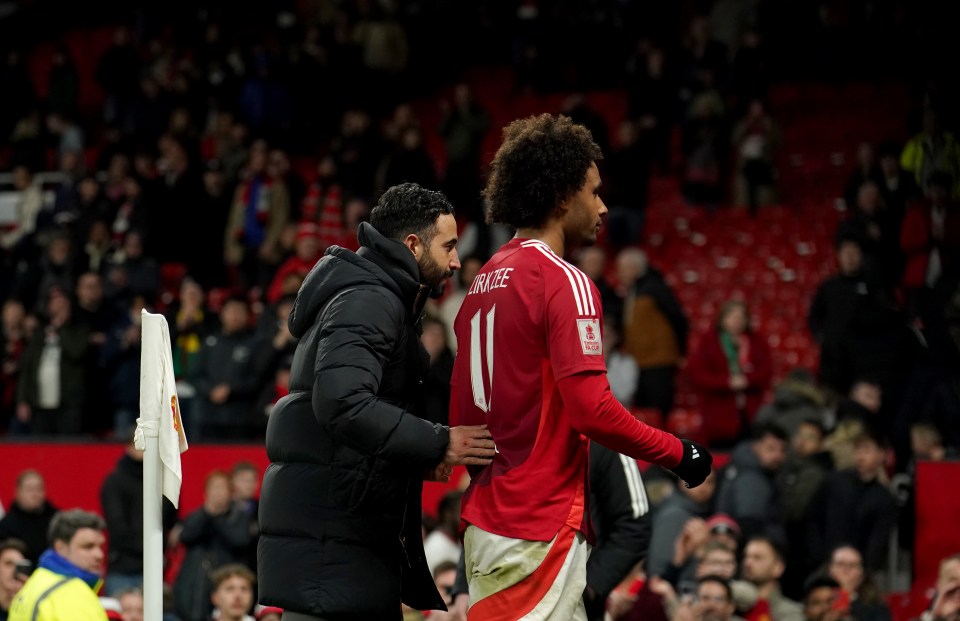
column 183, row 193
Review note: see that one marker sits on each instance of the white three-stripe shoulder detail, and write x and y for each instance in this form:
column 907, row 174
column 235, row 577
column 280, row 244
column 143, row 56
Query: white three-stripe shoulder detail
column 579, row 281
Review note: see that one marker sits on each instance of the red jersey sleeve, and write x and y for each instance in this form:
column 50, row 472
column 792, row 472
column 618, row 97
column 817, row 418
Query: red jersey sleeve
column 573, row 321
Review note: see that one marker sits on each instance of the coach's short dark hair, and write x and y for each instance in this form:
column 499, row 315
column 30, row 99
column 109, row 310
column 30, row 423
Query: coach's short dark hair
column 65, row 524
column 408, row 208
column 542, row 162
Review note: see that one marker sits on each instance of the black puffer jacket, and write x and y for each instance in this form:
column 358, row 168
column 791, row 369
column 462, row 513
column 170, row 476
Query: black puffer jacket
column 340, row 506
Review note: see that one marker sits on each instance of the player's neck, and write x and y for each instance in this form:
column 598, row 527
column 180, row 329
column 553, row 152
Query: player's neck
column 551, row 236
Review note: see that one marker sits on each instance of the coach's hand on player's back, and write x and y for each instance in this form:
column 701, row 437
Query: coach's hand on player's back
column 694, row 466
column 470, row 445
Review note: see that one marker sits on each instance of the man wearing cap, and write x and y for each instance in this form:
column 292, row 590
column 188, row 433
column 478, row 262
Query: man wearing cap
column 724, row 529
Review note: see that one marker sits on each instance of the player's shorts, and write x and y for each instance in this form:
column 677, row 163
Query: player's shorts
column 513, row 579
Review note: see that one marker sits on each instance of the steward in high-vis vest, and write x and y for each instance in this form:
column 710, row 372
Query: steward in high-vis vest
column 64, row 586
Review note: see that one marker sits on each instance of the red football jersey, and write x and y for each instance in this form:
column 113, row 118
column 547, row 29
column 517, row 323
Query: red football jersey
column 529, row 320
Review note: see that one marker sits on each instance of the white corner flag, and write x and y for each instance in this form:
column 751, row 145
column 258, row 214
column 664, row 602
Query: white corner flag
column 159, row 408
column 160, row 436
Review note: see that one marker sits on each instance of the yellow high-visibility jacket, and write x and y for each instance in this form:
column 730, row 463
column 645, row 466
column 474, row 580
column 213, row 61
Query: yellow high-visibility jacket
column 49, row 596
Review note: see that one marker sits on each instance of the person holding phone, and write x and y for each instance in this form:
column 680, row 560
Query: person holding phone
column 15, row 568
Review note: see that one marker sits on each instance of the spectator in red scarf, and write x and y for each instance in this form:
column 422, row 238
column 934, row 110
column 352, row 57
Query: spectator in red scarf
column 731, row 370
column 306, row 253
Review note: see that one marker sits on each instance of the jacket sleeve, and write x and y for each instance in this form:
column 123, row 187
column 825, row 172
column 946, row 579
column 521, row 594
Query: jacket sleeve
column 195, row 527
column 200, row 376
column 621, row 506
column 878, row 538
column 358, row 336
column 234, row 528
column 667, row 526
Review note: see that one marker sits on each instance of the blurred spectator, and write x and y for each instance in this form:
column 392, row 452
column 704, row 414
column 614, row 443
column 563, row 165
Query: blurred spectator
column 53, row 270
column 731, row 370
column 121, row 359
column 51, row 391
column 437, row 382
column 871, row 223
column 131, row 604
column 209, row 222
column 63, row 83
column 820, row 599
column 307, row 252
column 358, row 150
column 670, row 524
column 931, row 242
column 858, row 596
column 622, row 370
column 859, row 329
column 12, row 552
column 799, row 484
column 232, row 592
column 796, row 399
column 748, row 491
column 68, row 134
column 933, row 150
column 463, row 126
column 627, row 187
column 756, row 138
column 13, row 342
column 96, row 251
column 28, row 518
column 245, row 480
column 121, row 497
column 714, row 600
column 450, row 305
column 69, row 572
column 214, row 535
column 763, row 564
column 28, row 141
column 946, row 602
column 221, row 376
column 592, row 261
column 29, row 202
column 897, row 185
column 190, row 323
column 118, row 72
column 409, row 161
column 580, row 112
column 261, row 208
column 654, row 328
column 443, row 543
column 704, row 146
column 867, row 169
column 131, row 272
column 652, row 102
column 275, row 349
column 856, row 507
column 15, row 80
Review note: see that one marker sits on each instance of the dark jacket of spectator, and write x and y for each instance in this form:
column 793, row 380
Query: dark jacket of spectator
column 211, row 541
column 30, row 527
column 225, row 359
column 121, row 497
column 342, row 496
column 74, row 340
column 917, row 240
column 859, row 513
column 748, row 494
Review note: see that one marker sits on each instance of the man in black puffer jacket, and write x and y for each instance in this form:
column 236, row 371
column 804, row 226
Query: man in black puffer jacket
column 340, row 507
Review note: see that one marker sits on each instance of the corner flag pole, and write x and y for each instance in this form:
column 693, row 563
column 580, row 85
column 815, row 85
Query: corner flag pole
column 160, row 436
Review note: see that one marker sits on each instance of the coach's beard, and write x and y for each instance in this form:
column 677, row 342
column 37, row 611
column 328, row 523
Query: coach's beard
column 433, row 275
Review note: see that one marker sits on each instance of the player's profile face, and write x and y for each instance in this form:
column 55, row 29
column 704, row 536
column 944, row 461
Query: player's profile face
column 585, row 211
column 439, row 260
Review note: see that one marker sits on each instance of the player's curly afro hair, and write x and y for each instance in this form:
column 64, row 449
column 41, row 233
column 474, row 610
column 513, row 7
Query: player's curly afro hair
column 542, row 162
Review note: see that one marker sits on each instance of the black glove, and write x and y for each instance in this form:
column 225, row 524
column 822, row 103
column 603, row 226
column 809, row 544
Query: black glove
column 694, row 466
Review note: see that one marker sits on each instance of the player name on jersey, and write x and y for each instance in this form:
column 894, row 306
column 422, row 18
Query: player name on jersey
column 497, row 279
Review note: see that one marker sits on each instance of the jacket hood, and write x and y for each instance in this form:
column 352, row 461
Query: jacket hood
column 379, row 262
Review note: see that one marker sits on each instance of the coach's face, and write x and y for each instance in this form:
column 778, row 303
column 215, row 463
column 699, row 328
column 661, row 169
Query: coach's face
column 585, row 211
column 438, row 260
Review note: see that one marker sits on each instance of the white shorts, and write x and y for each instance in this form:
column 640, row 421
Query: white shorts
column 514, row 579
